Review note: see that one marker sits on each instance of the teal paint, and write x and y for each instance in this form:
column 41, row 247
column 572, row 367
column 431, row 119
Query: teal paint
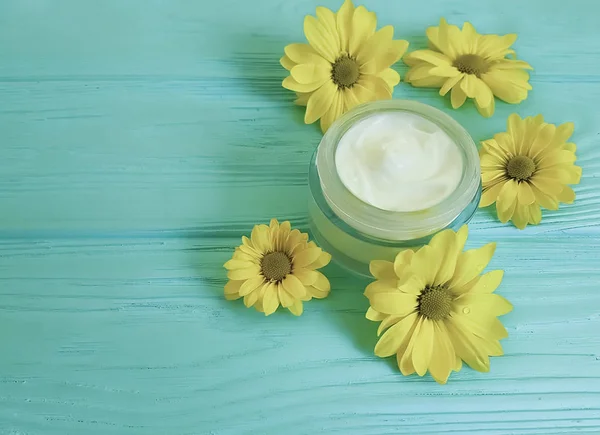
column 140, row 139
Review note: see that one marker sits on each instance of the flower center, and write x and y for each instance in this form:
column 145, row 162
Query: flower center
column 471, row 64
column 345, row 71
column 435, row 303
column 275, row 266
column 520, row 168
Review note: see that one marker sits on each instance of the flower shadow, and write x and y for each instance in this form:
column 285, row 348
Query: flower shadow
column 347, row 306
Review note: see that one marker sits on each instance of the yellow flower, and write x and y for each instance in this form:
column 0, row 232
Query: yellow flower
column 527, row 167
column 437, row 309
column 471, row 65
column 345, row 63
column 276, row 266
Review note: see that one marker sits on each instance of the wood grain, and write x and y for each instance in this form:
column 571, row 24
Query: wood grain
column 140, row 139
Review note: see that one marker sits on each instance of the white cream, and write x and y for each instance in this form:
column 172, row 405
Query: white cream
column 398, row 161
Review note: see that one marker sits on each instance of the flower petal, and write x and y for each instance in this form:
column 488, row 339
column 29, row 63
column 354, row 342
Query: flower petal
column 363, row 26
column 294, row 286
column 251, row 284
column 307, row 73
column 507, row 196
column 297, row 308
column 442, row 358
column 306, row 276
column 425, row 264
column 470, row 264
column 448, row 246
column 450, row 83
column 320, row 39
column 382, row 269
column 457, row 97
column 423, row 347
column 490, row 194
column 510, row 86
column 320, row 102
column 287, row 63
column 375, row 44
column 397, row 303
column 525, row 194
column 374, row 315
column 270, row 299
column 335, row 111
column 466, row 350
column 567, row 195
column 344, row 24
column 287, row 300
column 243, row 274
column 303, row 53
column 390, row 76
column 406, row 348
column 488, row 282
column 391, row 340
column 233, row 287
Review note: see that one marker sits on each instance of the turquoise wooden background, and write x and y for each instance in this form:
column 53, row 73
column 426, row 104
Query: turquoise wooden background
column 139, row 139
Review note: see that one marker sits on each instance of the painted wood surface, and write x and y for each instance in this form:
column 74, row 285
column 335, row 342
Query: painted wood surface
column 139, row 139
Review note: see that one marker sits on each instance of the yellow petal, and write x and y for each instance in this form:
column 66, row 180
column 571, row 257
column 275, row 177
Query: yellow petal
column 397, row 303
column 442, row 358
column 390, row 76
column 251, row 284
column 370, row 48
column 363, row 26
column 251, row 298
column 457, row 97
column 486, row 111
column 303, row 53
column 489, row 330
column 334, row 112
column 450, row 83
column 413, row 285
column 391, row 340
column 466, row 350
column 469, row 36
column 233, row 287
column 406, row 348
column 470, row 264
column 350, row 99
column 488, row 304
column 287, row 63
column 306, row 276
column 344, row 24
column 549, row 186
column 386, row 323
column 306, row 257
column 307, row 73
column 521, row 216
column 490, row 194
column 322, row 283
column 382, row 269
column 390, row 54
column 429, row 82
column 232, row 296
column 535, row 214
column 567, row 195
column 507, row 196
column 320, row 102
column 294, row 286
column 317, row 293
column 525, row 194
column 544, row 200
column 260, row 238
column 445, row 71
column 401, row 261
column 238, row 264
column 385, row 286
column 425, row 264
column 483, row 94
column 297, row 308
column 270, row 300
column 287, row 300
column 302, row 99
column 243, row 274
column 320, row 39
column 374, row 315
column 563, row 133
column 488, row 282
column 423, row 347
column 469, row 85
column 320, row 262
column 291, row 84
column 516, row 128
column 444, row 38
column 506, row 86
column 432, row 57
column 541, row 142
column 448, row 246
column 326, row 18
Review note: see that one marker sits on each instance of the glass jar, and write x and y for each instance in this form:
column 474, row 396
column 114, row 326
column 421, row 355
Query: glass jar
column 355, row 232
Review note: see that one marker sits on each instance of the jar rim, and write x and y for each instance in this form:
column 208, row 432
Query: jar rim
column 396, row 225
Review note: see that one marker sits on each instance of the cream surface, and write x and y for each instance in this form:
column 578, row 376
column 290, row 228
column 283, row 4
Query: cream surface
column 398, row 161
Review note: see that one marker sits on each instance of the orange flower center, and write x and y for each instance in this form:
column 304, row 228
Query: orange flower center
column 435, row 303
column 345, row 72
column 520, row 168
column 275, row 266
column 471, row 64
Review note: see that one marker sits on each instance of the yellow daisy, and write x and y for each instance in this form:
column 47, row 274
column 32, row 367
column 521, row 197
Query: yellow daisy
column 345, row 63
column 276, row 265
column 470, row 65
column 527, row 167
column 435, row 308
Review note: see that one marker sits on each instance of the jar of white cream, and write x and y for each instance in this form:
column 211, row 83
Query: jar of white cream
column 388, row 176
